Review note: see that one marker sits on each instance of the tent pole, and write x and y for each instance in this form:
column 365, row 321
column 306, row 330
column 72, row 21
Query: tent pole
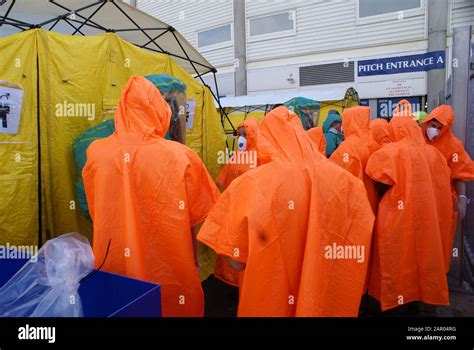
column 54, row 25
column 65, row 20
column 221, row 111
column 138, row 29
column 136, row 25
column 173, row 55
column 8, row 11
column 89, row 18
column 203, row 82
column 156, row 37
column 76, row 12
column 13, row 25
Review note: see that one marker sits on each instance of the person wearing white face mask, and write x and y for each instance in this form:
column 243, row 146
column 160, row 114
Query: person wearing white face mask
column 242, row 143
column 246, row 144
column 433, row 129
column 437, row 132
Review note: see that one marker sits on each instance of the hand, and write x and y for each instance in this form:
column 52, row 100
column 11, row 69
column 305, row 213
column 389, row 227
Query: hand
column 462, row 204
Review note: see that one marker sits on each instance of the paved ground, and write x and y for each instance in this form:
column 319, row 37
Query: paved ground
column 222, row 299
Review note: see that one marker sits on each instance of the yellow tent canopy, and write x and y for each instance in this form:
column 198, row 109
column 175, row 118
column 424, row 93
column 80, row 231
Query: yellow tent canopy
column 77, row 75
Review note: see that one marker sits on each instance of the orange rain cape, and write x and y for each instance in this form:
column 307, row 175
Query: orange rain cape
column 408, row 262
column 353, row 153
column 459, row 161
column 301, row 224
column 379, row 131
column 144, row 194
column 317, row 136
column 229, row 173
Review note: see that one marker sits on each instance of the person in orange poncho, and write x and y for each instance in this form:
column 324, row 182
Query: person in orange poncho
column 247, row 132
column 408, row 260
column 353, row 153
column 437, row 132
column 146, row 197
column 282, row 223
column 317, row 136
column 378, row 128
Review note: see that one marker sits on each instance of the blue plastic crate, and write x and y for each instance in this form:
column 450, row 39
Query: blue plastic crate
column 106, row 294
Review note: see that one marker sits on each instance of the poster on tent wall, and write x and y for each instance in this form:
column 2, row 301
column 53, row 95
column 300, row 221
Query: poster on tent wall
column 190, row 111
column 11, row 99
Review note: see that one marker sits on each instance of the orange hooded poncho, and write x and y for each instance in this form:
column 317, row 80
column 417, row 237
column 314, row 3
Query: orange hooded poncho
column 459, row 161
column 317, row 136
column 353, row 153
column 288, row 221
column 228, row 174
column 408, row 259
column 145, row 194
column 378, row 128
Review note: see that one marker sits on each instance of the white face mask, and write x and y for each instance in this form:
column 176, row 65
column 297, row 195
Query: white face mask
column 334, row 130
column 242, row 143
column 432, row 133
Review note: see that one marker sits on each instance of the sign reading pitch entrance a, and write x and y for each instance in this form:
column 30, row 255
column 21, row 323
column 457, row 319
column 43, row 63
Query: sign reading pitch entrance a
column 402, row 64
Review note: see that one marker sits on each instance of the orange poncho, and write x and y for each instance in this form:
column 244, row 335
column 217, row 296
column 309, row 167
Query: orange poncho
column 378, row 128
column 459, row 161
column 317, row 136
column 144, row 194
column 288, row 221
column 228, row 174
column 353, row 153
column 408, row 256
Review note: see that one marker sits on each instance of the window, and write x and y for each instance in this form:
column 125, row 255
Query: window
column 272, row 26
column 368, row 8
column 215, row 38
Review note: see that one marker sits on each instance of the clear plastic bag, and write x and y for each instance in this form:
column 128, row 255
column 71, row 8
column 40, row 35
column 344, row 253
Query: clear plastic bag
column 47, row 285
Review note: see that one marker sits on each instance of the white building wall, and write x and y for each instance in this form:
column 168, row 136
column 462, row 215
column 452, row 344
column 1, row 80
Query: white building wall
column 326, row 32
column 323, row 26
column 462, row 13
column 192, row 16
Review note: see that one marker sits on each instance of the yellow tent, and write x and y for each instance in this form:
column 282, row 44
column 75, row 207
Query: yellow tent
column 76, row 73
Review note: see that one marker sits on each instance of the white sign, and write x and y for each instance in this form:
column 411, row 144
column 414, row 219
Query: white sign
column 11, row 98
column 190, row 110
column 398, row 88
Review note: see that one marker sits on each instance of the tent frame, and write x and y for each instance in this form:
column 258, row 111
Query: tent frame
column 77, row 21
